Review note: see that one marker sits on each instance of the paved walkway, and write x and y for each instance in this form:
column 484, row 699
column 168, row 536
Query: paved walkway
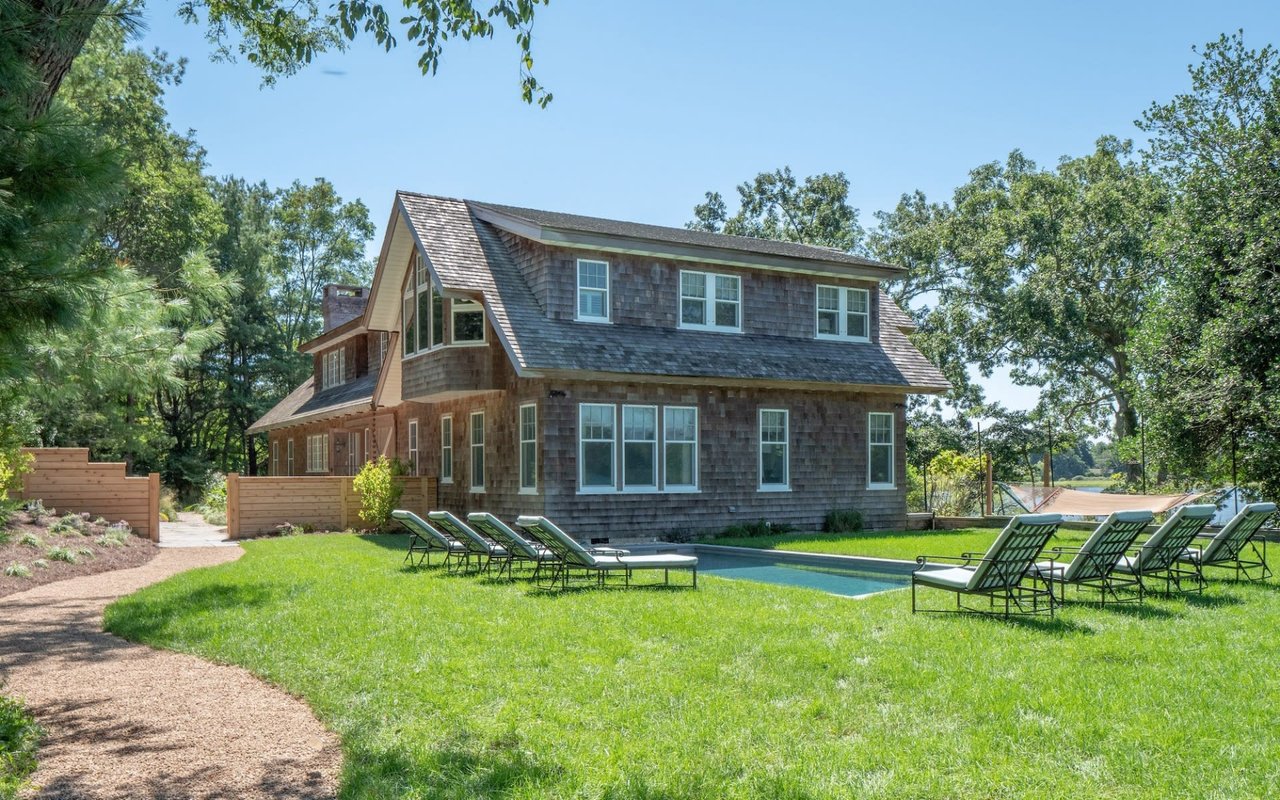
column 190, row 530
column 126, row 721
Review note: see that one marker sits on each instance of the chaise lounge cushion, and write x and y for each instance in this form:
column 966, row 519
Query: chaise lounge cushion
column 953, row 578
column 660, row 561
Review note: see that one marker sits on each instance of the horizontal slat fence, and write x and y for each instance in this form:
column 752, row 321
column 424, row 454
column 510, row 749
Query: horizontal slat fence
column 258, row 505
column 64, row 478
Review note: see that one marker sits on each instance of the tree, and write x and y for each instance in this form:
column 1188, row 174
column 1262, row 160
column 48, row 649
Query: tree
column 1212, row 349
column 775, row 206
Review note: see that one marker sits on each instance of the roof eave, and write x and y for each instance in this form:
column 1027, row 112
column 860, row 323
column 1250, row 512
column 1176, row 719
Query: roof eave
column 870, row 388
column 314, row 416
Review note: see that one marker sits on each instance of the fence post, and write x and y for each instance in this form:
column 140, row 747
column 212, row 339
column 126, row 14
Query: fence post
column 233, row 505
column 344, row 489
column 153, row 505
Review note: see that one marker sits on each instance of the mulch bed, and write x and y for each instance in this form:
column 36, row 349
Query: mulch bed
column 81, row 539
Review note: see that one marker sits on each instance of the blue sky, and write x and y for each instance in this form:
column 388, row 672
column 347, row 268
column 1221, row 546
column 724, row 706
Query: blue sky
column 658, row 102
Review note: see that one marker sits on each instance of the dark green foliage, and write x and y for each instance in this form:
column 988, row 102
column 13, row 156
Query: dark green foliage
column 760, row 527
column 19, row 739
column 774, row 206
column 842, row 520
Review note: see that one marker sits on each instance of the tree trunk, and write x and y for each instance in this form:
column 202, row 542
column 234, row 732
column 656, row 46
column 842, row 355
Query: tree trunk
column 58, row 34
column 1126, row 421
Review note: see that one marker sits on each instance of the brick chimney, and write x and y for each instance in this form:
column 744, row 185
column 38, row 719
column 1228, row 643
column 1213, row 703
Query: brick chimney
column 342, row 304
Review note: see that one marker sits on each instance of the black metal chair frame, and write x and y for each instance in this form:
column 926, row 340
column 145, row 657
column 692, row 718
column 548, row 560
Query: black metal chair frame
column 514, row 556
column 1106, row 584
column 567, row 562
column 1242, row 566
column 424, row 545
column 1019, row 599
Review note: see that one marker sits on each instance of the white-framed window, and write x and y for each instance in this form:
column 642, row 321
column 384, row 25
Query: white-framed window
column 844, row 313
column 593, row 290
column 382, row 346
column 529, row 448
column 333, row 368
column 467, row 322
column 710, row 302
column 446, row 449
column 477, row 451
column 680, row 449
column 775, row 450
column 275, row 456
column 408, row 322
column 880, row 451
column 639, row 448
column 596, row 442
column 290, row 456
column 422, row 323
column 413, row 447
column 421, row 276
column 353, row 452
column 318, row 452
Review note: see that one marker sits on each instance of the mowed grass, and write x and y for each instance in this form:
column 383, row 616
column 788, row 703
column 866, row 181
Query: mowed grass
column 451, row 687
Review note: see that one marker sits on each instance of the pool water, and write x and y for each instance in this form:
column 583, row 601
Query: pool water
column 847, row 581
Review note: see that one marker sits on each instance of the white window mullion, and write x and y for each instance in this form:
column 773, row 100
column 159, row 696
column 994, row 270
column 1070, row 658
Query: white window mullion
column 528, row 423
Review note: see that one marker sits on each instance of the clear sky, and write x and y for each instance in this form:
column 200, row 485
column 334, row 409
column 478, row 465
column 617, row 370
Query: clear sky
column 657, row 102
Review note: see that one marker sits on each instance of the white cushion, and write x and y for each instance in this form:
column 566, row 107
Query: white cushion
column 1127, row 564
column 647, row 562
column 1048, row 570
column 947, row 578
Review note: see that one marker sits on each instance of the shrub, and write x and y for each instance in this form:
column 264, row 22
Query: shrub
column 68, row 523
column 114, row 537
column 120, row 528
column 842, row 520
column 7, row 510
column 16, row 570
column 213, row 502
column 13, row 465
column 30, row 540
column 101, row 522
column 379, row 493
column 61, row 554
column 40, row 563
column 87, row 552
column 957, row 486
column 169, row 503
column 19, row 739
column 760, row 527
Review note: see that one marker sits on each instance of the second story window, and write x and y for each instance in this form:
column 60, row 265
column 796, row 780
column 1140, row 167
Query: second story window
column 423, row 317
column 844, row 313
column 468, row 321
column 593, row 290
column 333, row 368
column 710, row 302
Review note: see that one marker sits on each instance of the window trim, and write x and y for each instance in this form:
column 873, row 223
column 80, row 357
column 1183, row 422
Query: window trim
column 290, row 454
column 612, row 486
column 521, row 442
column 476, row 488
column 317, row 450
column 892, row 444
column 761, row 486
column 352, row 457
column 446, row 450
column 709, row 285
column 608, row 292
column 333, row 368
column 842, row 314
column 453, row 317
column 275, row 457
column 683, row 488
column 640, row 488
column 414, row 447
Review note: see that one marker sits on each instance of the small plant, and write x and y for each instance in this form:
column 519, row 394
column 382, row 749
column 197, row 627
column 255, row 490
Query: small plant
column 30, row 540
column 61, row 554
column 40, row 563
column 87, row 552
column 69, row 523
column 114, row 537
column 760, row 527
column 101, row 522
column 842, row 520
column 289, row 529
column 16, row 570
column 213, row 502
column 19, row 738
column 121, row 528
column 37, row 510
column 379, row 493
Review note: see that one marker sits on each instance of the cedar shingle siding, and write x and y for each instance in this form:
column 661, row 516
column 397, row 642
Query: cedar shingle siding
column 519, row 265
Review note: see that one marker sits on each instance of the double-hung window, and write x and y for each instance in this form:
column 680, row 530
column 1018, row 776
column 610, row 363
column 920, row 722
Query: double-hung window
column 880, row 451
column 710, row 302
column 528, row 449
column 844, row 313
column 680, row 440
column 290, row 456
column 639, row 448
column 275, row 456
column 413, row 447
column 333, row 368
column 468, row 321
column 595, row 447
column 318, row 452
column 775, row 447
column 593, row 290
column 446, row 449
column 477, row 451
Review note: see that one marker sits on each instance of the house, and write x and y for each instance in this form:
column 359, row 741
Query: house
column 620, row 378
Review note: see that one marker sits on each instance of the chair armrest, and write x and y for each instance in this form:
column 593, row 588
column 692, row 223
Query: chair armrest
column 1065, row 549
column 922, row 560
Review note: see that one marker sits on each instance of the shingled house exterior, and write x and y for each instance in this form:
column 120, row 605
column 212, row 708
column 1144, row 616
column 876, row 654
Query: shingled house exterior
column 619, row 378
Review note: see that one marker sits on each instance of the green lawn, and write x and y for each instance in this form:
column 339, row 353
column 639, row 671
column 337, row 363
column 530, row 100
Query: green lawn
column 448, row 687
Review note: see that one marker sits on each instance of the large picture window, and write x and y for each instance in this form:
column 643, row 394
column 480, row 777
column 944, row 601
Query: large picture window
column 640, row 447
column 710, row 302
column 775, row 449
column 680, row 439
column 595, row 447
column 446, row 449
column 529, row 449
column 408, row 324
column 880, row 451
column 844, row 313
column 593, row 290
column 422, row 323
column 477, row 451
column 318, row 452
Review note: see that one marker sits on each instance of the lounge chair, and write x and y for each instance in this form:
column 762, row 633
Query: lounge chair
column 1158, row 556
column 1226, row 547
column 479, row 550
column 427, row 540
column 1094, row 562
column 573, row 556
column 519, row 548
column 998, row 574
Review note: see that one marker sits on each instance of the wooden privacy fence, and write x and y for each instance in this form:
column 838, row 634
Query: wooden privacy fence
column 257, row 505
column 65, row 479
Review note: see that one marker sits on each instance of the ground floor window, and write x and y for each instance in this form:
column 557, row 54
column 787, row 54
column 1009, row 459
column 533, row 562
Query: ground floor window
column 529, row 449
column 639, row 447
column 477, row 451
column 318, row 452
column 413, row 447
column 680, row 457
column 275, row 456
column 290, row 455
column 446, row 449
column 880, row 451
column 595, row 447
column 775, row 446
column 648, row 449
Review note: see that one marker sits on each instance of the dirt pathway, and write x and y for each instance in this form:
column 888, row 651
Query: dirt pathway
column 126, row 721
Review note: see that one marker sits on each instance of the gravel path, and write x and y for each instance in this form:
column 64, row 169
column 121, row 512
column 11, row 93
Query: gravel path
column 126, row 721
